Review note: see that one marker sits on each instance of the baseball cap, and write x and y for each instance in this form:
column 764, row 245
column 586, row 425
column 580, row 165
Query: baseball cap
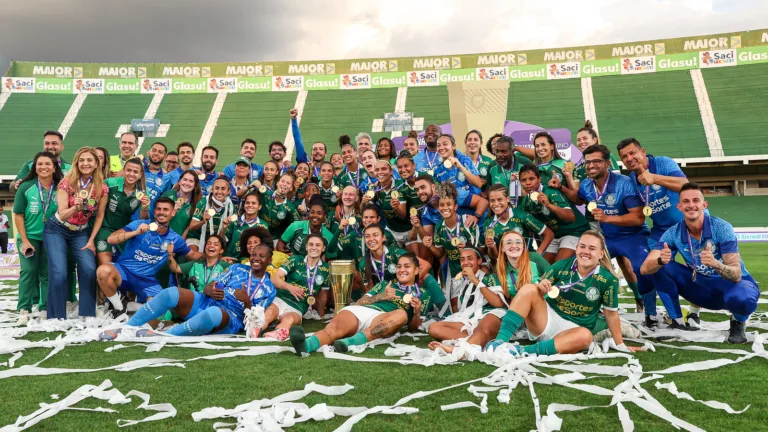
column 243, row 159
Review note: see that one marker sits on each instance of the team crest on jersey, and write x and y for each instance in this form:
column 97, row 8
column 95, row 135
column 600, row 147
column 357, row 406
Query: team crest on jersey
column 545, row 211
column 461, row 177
column 319, row 279
column 102, row 245
column 610, row 199
column 392, row 268
column 463, row 239
column 281, row 215
column 592, row 294
column 164, row 246
column 134, row 204
column 159, row 181
column 334, row 198
column 209, row 188
column 656, row 187
column 711, row 244
column 483, row 171
column 518, row 230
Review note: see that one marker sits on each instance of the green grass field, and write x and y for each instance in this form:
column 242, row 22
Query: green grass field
column 232, row 381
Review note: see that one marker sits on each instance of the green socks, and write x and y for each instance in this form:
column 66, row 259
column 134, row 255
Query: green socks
column 635, row 291
column 511, row 322
column 358, row 338
column 546, row 347
column 312, row 344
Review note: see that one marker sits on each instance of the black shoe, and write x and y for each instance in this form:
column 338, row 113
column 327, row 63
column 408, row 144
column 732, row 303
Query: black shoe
column 736, row 334
column 650, row 322
column 677, row 326
column 297, row 338
column 694, row 321
column 340, row 347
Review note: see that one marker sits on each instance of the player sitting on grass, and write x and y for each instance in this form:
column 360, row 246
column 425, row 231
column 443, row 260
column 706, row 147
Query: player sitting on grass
column 378, row 314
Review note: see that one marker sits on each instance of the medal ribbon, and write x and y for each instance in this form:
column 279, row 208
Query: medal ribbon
column 380, row 274
column 449, row 231
column 430, row 162
column 571, row 284
column 356, row 181
column 311, row 277
column 599, row 194
column 47, row 201
column 410, row 289
column 258, row 288
column 206, row 277
column 693, row 254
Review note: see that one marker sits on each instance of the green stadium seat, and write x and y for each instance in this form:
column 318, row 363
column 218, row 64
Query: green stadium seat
column 186, row 114
column 548, row 104
column 329, row 114
column 23, row 120
column 738, row 96
column 259, row 116
column 431, row 103
column 659, row 109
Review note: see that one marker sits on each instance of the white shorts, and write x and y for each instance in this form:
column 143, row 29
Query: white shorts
column 400, row 237
column 555, row 325
column 364, row 315
column 567, row 242
column 193, row 242
column 284, row 308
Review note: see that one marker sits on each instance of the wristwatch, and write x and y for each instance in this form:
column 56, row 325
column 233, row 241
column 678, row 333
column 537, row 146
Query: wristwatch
column 659, row 261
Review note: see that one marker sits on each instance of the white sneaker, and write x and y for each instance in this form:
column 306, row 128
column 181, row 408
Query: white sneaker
column 23, row 318
column 73, row 310
column 254, row 321
column 34, row 308
column 101, row 310
column 627, row 330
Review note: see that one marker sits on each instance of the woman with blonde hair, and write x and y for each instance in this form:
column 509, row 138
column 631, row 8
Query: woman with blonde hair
column 81, row 195
column 485, row 298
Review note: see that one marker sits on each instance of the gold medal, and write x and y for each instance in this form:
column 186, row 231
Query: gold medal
column 648, row 211
column 554, row 292
column 211, row 212
column 407, row 298
column 459, row 276
column 262, row 189
column 431, row 172
column 370, row 194
column 335, row 189
column 569, row 166
column 534, row 196
column 395, row 194
column 591, row 206
column 447, row 163
column 256, row 184
column 352, row 220
column 414, row 211
column 201, row 176
column 455, row 242
column 300, row 180
column 153, row 226
column 490, row 234
column 233, row 218
column 311, row 300
column 139, row 195
column 83, row 194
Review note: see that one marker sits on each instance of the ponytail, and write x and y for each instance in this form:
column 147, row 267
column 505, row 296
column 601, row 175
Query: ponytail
column 588, row 128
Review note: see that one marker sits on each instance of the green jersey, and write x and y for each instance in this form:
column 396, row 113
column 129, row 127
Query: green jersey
column 278, row 216
column 184, row 213
column 499, row 175
column 351, row 245
column 214, row 223
column 582, row 302
column 519, row 221
column 349, row 178
column 411, row 198
column 36, row 205
column 384, row 200
column 27, row 167
column 397, row 302
column 482, row 164
column 328, row 196
column 235, row 229
column 553, row 168
column 383, row 270
column 195, row 275
column 444, row 238
column 295, row 237
column 311, row 280
column 120, row 206
column 560, row 227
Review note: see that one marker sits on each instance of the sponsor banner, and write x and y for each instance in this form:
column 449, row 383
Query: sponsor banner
column 322, row 82
column 287, row 83
column 355, row 81
column 674, row 62
column 492, row 73
column 18, row 85
column 751, row 235
column 311, row 68
column 53, row 85
column 243, row 70
column 600, row 68
column 182, row 70
column 221, row 85
column 373, row 65
column 423, row 78
column 156, row 85
column 454, row 75
column 254, row 84
column 122, row 86
column 563, row 70
column 10, row 266
column 752, row 55
column 389, row 79
column 717, row 58
column 189, row 85
column 527, row 73
column 88, row 86
column 636, row 65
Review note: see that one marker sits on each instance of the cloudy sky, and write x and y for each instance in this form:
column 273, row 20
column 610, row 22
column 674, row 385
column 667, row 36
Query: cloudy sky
column 265, row 30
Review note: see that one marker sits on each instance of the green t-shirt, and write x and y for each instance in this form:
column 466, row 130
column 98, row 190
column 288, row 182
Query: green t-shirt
column 498, row 175
column 519, row 220
column 198, row 216
column 444, row 235
column 581, row 304
column 120, row 207
column 347, row 178
column 278, row 216
column 195, row 275
column 234, row 230
column 397, row 302
column 551, row 169
column 383, row 199
column 560, row 227
column 482, row 165
column 350, row 245
column 330, row 198
column 183, row 216
column 411, row 198
column 296, row 273
column 295, row 237
column 391, row 255
column 29, row 202
column 27, row 167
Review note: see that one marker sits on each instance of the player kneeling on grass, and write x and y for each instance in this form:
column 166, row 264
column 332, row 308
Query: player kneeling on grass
column 378, row 314
column 576, row 289
column 299, row 282
column 492, row 293
column 218, row 309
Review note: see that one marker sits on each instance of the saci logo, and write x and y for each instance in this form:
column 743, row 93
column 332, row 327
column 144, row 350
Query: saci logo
column 18, row 85
column 355, row 81
column 287, row 83
column 719, row 58
column 563, row 70
column 156, row 85
column 88, row 86
column 222, row 85
column 423, row 78
column 635, row 65
column 492, row 73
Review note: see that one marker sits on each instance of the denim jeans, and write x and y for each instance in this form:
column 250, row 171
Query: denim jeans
column 58, row 240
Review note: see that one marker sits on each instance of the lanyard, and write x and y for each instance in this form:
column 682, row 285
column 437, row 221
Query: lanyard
column 410, row 289
column 693, row 254
column 206, row 276
column 496, row 219
column 599, row 194
column 248, row 222
column 85, row 185
column 646, row 199
column 571, row 284
column 311, row 274
column 380, row 273
column 449, row 231
column 430, row 162
column 47, row 201
column 356, row 181
column 258, row 288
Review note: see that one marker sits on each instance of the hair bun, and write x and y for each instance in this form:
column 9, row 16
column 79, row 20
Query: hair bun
column 588, row 124
column 345, row 139
column 413, row 134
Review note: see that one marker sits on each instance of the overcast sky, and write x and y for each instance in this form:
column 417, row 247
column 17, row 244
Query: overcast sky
column 227, row 30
